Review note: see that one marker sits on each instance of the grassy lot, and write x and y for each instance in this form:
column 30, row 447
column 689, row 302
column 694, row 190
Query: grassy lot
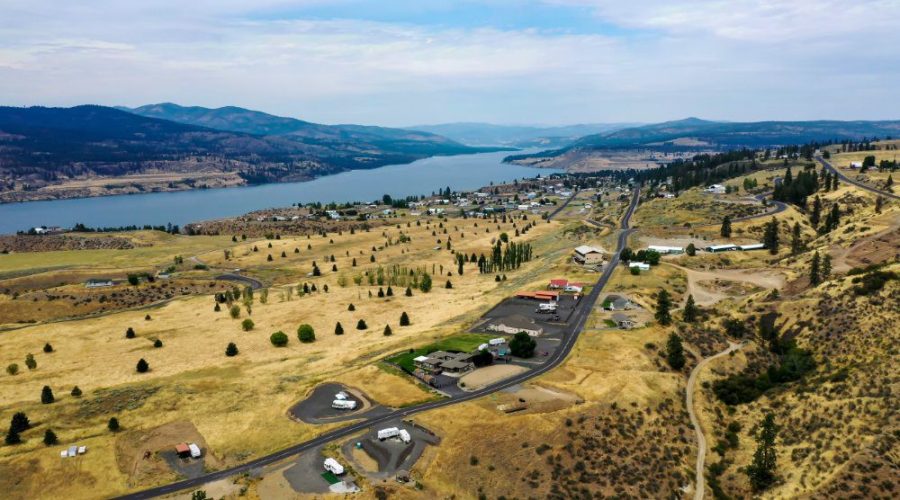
column 466, row 342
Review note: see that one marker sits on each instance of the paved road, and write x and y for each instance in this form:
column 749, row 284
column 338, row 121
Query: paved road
column 700, row 481
column 575, row 327
column 827, row 164
column 564, row 205
column 252, row 282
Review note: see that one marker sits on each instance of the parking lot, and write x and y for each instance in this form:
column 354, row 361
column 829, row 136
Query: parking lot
column 316, row 408
column 391, row 455
column 551, row 323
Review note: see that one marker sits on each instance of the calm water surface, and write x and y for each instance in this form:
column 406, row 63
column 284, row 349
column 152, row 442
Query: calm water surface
column 418, row 178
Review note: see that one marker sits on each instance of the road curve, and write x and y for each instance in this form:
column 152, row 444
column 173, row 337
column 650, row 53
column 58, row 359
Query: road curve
column 700, row 481
column 576, row 325
column 827, row 164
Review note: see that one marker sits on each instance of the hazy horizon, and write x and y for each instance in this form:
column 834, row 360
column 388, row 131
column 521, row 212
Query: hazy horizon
column 508, row 62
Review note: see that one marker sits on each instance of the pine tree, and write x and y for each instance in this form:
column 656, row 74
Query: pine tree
column 675, row 352
column 338, row 329
column 814, row 277
column 142, row 366
column 47, row 395
column 725, row 231
column 113, row 424
column 690, row 310
column 12, row 437
column 770, row 236
column 796, row 241
column 762, row 470
column 76, row 392
column 825, row 273
column 387, row 331
column 408, row 292
column 879, row 203
column 404, row 319
column 816, row 216
column 663, row 305
column 231, row 350
column 19, row 422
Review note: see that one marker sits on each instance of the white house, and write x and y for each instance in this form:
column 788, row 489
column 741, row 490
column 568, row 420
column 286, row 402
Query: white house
column 643, row 266
column 716, row 189
column 664, row 250
column 588, row 255
column 721, row 248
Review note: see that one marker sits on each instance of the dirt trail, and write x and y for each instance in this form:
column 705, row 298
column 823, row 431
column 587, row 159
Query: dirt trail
column 700, row 480
column 767, row 279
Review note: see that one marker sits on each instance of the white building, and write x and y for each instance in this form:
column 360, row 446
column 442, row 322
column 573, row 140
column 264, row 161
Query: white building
column 664, row 250
column 716, row 189
column 643, row 266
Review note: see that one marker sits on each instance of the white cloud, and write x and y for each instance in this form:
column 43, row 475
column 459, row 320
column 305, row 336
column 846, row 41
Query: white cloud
column 737, row 59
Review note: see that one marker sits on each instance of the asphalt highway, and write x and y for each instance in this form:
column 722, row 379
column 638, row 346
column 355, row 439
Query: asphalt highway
column 576, row 325
column 825, row 163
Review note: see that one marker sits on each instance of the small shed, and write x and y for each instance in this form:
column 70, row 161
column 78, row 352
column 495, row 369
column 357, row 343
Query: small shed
column 183, row 450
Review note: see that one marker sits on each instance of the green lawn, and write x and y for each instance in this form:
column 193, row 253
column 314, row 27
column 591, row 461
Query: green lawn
column 466, row 342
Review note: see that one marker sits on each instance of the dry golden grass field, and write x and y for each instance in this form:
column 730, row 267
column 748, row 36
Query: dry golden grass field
column 238, row 405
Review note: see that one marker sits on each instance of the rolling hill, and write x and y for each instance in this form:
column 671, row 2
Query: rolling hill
column 42, row 147
column 523, row 136
column 737, row 134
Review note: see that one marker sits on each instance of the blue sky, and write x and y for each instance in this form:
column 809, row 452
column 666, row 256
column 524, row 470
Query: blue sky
column 502, row 61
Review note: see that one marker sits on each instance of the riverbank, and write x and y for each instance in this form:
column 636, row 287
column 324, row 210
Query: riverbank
column 422, row 177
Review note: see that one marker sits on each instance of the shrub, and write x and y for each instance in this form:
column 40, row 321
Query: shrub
column 19, row 422
column 47, row 395
column 380, row 292
column 147, row 318
column 48, row 348
column 12, row 368
column 235, row 311
column 351, row 307
column 448, row 285
column 635, row 271
column 387, row 331
column 76, row 392
column 278, row 339
column 142, row 366
column 404, row 319
column 247, row 324
column 231, row 350
column 113, row 424
column 30, row 362
column 50, row 438
column 157, row 343
column 361, row 325
column 217, row 308
column 129, row 333
column 425, row 284
column 390, row 292
column 306, row 334
column 12, row 437
column 338, row 329
column 408, row 292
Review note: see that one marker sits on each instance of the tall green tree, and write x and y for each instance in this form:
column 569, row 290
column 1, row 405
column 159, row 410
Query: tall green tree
column 826, row 267
column 796, row 239
column 815, row 215
column 814, row 272
column 762, row 470
column 663, row 307
column 675, row 352
column 770, row 236
column 689, row 315
column 725, row 230
column 47, row 395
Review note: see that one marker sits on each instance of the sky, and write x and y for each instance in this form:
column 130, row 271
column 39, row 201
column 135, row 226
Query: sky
column 409, row 62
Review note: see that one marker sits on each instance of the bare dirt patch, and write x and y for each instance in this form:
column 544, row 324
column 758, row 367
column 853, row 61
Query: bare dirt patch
column 488, row 375
column 710, row 287
column 132, row 447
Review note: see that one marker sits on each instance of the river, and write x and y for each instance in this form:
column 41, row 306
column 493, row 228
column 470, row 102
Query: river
column 422, row 177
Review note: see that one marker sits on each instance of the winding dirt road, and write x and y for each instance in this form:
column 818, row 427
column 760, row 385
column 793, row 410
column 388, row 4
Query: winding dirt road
column 700, row 481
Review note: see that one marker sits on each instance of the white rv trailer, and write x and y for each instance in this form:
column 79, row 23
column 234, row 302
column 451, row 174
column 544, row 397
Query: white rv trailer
column 388, row 433
column 333, row 466
column 547, row 307
column 343, row 404
column 404, row 436
column 497, row 341
column 195, row 450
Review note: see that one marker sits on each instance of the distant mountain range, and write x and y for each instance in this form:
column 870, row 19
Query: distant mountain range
column 520, row 136
column 40, row 146
column 737, row 134
column 697, row 134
